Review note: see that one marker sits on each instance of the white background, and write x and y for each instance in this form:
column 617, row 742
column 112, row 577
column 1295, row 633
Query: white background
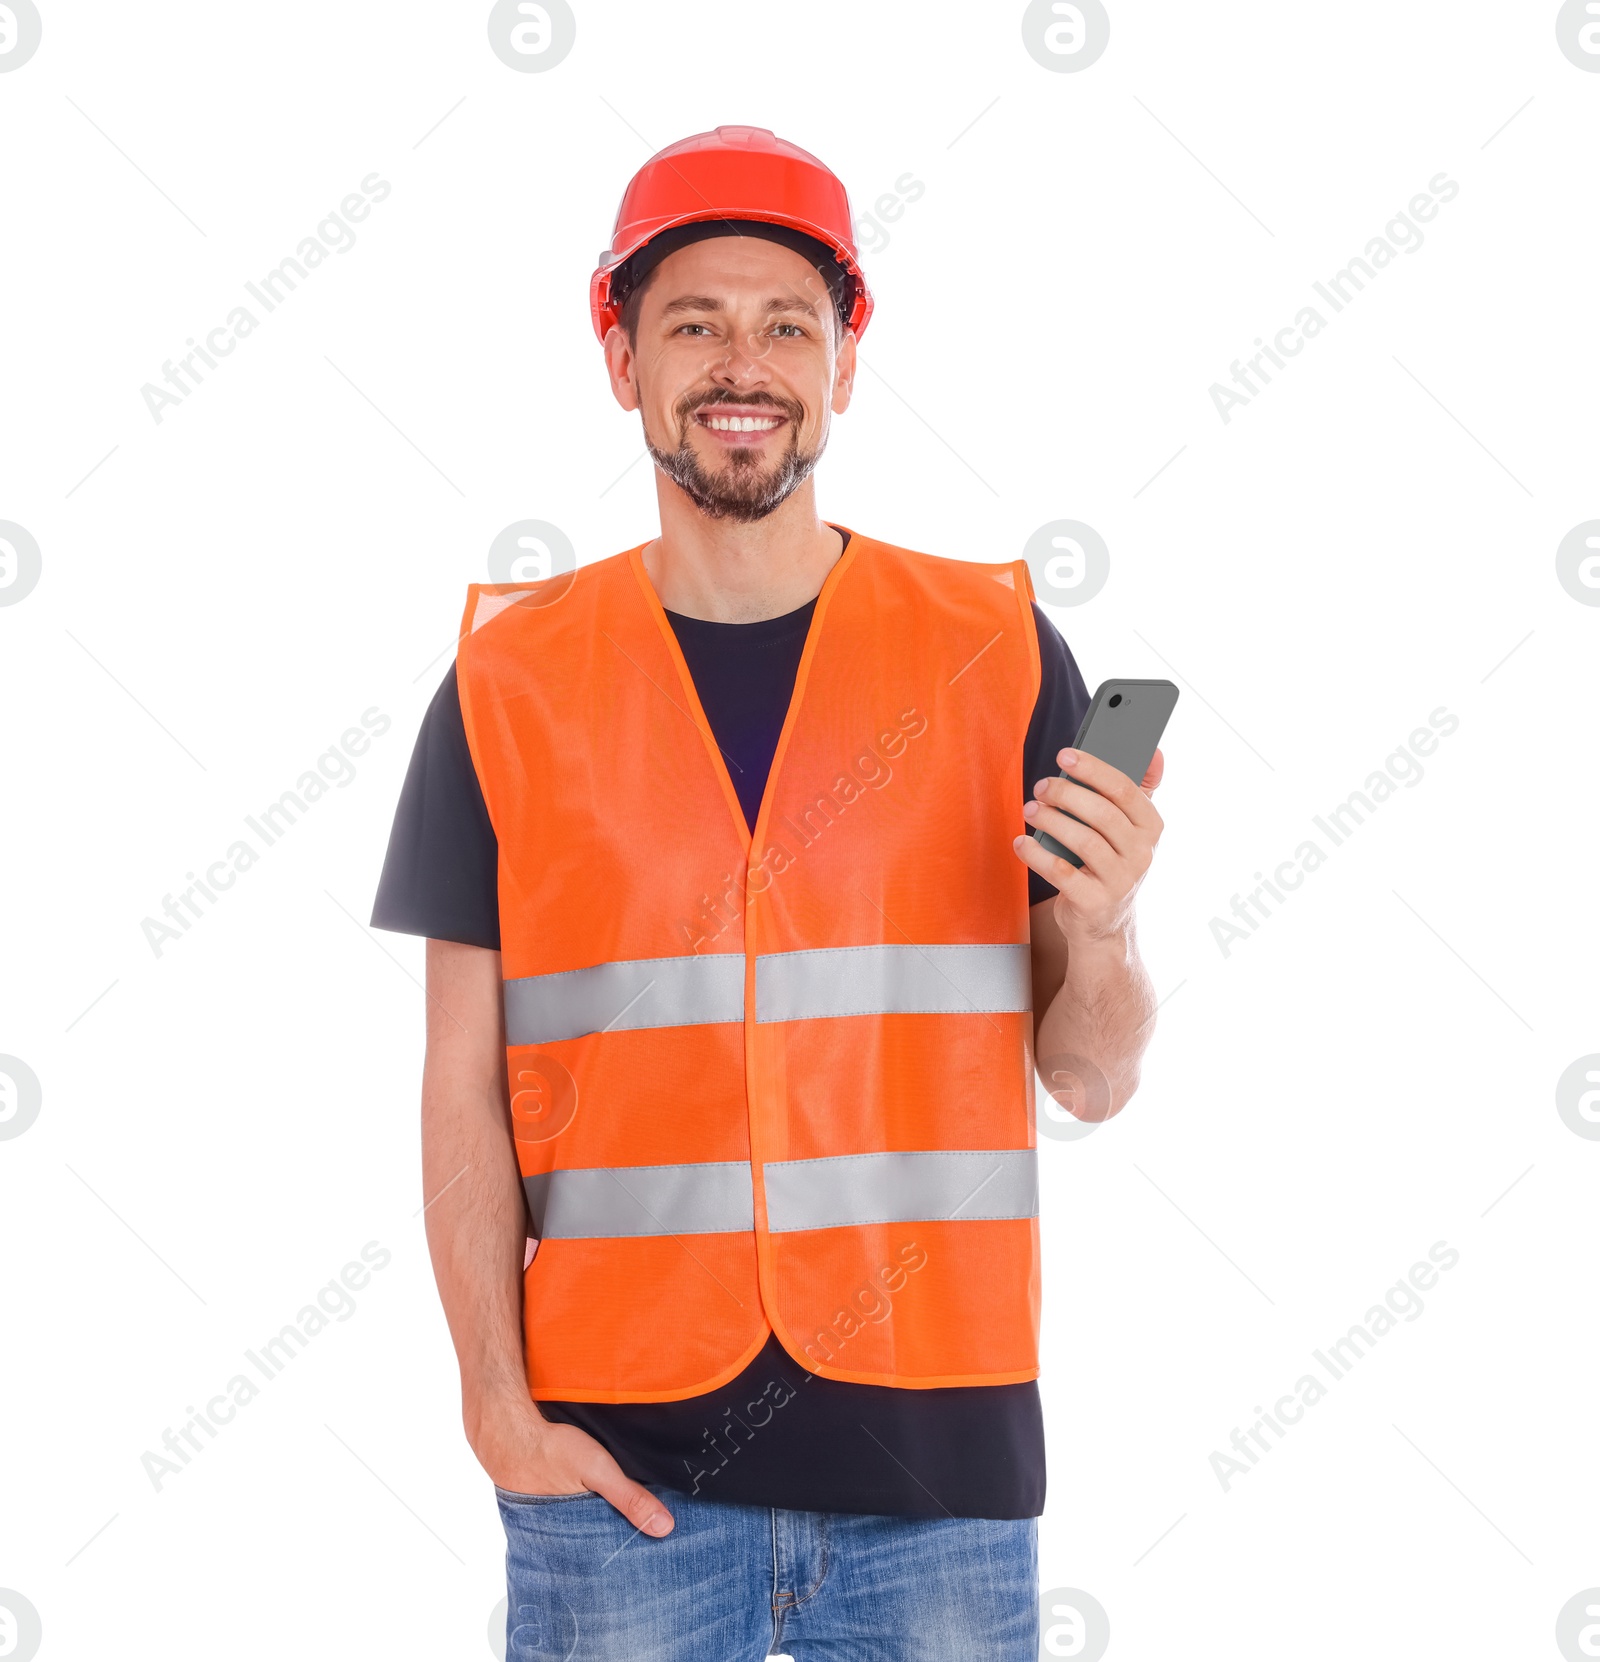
column 1371, row 539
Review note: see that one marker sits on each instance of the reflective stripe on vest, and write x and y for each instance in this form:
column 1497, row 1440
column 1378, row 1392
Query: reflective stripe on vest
column 700, row 988
column 902, row 1188
column 611, row 998
column 712, row 1198
column 831, row 1193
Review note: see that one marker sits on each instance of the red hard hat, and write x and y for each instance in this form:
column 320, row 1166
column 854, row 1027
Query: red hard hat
column 732, row 173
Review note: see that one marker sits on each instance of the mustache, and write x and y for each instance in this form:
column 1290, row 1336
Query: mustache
column 691, row 407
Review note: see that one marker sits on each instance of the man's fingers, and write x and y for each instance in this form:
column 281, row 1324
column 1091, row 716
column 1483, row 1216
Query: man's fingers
column 632, row 1500
column 1111, row 783
column 1057, row 872
column 1067, row 795
column 1107, row 798
column 1096, row 851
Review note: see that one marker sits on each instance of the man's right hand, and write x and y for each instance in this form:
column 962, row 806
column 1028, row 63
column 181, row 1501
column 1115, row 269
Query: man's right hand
column 524, row 1452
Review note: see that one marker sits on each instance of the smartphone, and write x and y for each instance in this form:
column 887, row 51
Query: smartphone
column 1123, row 726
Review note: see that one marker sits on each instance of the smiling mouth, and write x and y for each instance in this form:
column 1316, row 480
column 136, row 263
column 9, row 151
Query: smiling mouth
column 740, row 426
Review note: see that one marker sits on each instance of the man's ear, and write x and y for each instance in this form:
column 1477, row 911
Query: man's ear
column 844, row 373
column 620, row 366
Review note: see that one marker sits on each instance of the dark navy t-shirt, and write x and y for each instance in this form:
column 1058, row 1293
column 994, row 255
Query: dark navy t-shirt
column 775, row 1435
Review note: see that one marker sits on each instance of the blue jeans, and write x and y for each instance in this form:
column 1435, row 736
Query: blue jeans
column 738, row 1583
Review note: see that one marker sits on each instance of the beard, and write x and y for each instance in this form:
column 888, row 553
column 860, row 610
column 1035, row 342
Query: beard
column 748, row 486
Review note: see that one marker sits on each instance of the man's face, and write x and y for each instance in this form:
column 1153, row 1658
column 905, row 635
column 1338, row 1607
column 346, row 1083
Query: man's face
column 735, row 372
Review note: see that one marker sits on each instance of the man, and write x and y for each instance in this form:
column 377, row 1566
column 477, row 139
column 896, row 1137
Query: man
column 734, row 994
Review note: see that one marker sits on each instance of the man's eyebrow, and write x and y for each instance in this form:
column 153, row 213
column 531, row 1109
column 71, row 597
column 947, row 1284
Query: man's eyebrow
column 706, row 303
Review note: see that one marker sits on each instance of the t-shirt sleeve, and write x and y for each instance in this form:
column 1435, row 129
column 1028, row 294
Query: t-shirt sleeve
column 441, row 873
column 1059, row 712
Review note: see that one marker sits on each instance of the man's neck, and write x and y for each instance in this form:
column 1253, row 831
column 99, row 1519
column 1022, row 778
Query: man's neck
column 725, row 571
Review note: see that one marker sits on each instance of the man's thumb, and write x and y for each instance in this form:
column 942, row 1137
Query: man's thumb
column 632, row 1500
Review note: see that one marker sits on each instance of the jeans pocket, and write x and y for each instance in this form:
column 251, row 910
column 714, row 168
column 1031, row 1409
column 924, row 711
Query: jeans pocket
column 512, row 1498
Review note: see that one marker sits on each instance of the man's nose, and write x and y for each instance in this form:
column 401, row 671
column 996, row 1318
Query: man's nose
column 743, row 359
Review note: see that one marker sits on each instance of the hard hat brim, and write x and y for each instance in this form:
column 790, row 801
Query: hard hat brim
column 604, row 312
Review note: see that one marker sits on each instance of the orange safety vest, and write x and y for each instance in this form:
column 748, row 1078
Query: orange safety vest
column 779, row 1082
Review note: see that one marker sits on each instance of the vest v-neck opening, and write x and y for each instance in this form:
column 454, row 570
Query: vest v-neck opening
column 769, row 631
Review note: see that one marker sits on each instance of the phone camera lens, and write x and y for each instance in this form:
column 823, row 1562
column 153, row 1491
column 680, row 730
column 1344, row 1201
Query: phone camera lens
column 1114, row 700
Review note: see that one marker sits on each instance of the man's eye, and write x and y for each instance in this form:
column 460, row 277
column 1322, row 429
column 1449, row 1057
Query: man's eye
column 795, row 326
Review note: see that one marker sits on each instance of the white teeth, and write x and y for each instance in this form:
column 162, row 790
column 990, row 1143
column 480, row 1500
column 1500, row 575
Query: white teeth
column 743, row 424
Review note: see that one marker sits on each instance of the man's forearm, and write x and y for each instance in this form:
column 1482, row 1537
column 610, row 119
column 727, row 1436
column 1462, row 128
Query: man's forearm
column 1103, row 1013
column 475, row 1215
column 477, row 1233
